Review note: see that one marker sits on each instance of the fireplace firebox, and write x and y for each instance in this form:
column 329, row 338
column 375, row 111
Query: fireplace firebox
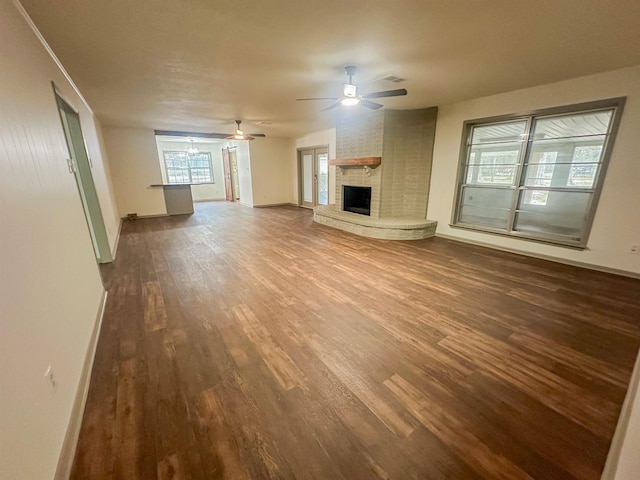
column 356, row 199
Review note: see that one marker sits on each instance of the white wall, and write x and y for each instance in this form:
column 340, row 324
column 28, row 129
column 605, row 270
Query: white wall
column 103, row 180
column 616, row 224
column 200, row 193
column 133, row 158
column 50, row 288
column 271, row 173
column 317, row 139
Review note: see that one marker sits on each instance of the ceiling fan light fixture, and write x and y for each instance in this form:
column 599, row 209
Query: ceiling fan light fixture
column 350, row 101
column 350, row 95
column 239, row 134
column 349, row 90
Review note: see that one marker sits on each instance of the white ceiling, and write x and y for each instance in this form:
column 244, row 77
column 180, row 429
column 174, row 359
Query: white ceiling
column 199, row 64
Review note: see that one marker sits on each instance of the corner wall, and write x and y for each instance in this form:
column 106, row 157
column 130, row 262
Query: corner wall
column 133, row 158
column 50, row 287
column 271, row 170
column 407, row 151
column 615, row 226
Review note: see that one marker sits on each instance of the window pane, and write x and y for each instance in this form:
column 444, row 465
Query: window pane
column 556, row 214
column 500, row 155
column 183, row 167
column 493, row 164
column 573, row 125
column 584, row 166
column 576, row 162
column 499, row 132
column 494, row 174
column 540, row 174
column 486, row 206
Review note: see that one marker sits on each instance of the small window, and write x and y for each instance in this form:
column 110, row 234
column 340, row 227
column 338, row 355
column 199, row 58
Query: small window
column 184, row 167
column 536, row 176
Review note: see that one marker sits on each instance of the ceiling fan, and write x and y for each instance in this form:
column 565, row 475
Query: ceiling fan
column 240, row 135
column 350, row 94
column 237, row 135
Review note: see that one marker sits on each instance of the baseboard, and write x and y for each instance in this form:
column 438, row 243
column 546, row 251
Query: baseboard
column 613, row 458
column 154, row 215
column 551, row 258
column 67, row 454
column 115, row 243
column 284, row 204
column 204, row 200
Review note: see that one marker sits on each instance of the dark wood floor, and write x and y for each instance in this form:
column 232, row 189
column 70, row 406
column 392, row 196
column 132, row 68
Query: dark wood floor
column 253, row 343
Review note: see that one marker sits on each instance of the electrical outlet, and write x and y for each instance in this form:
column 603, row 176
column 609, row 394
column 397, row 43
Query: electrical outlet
column 634, row 249
column 51, row 380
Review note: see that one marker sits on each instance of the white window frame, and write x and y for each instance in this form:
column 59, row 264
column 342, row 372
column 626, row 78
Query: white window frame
column 164, row 158
column 614, row 104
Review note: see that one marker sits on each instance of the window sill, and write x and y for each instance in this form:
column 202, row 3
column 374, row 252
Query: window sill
column 517, row 236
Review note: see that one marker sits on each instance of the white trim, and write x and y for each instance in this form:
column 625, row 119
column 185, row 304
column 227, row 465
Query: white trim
column 117, row 239
column 67, row 453
column 284, row 204
column 203, row 200
column 154, row 215
column 46, row 46
column 613, row 458
column 590, row 266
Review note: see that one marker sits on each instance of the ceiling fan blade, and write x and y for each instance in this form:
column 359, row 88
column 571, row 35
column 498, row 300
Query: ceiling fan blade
column 262, row 135
column 330, row 107
column 387, row 93
column 318, row 98
column 371, row 105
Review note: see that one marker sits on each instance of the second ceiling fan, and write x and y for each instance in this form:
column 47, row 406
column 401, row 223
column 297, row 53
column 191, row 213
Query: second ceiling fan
column 350, row 94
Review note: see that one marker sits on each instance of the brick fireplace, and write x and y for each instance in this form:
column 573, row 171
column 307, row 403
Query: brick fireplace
column 403, row 140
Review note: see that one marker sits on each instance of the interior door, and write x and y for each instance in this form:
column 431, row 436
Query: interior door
column 322, row 176
column 80, row 166
column 226, row 165
column 313, row 171
column 307, row 178
column 235, row 181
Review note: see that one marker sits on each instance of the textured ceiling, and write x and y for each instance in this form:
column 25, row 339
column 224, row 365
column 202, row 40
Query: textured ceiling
column 199, row 64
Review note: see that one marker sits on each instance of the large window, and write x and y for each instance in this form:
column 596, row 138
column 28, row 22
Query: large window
column 184, row 167
column 536, row 176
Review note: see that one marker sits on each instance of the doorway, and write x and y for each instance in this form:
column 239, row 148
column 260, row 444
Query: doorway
column 80, row 165
column 313, row 176
column 231, row 181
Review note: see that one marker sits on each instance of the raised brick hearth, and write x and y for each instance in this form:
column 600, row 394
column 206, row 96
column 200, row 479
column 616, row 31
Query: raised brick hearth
column 399, row 185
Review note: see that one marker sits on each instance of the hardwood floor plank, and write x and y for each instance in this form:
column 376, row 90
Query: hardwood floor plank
column 586, row 408
column 364, row 390
column 155, row 315
column 280, row 364
column 255, row 343
column 452, row 432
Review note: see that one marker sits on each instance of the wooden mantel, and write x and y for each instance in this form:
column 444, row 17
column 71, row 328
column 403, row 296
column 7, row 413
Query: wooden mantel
column 372, row 162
